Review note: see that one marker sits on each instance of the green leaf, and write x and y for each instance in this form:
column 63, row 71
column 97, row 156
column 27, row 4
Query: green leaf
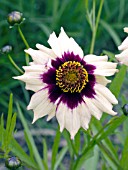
column 29, row 144
column 9, row 112
column 77, row 142
column 69, row 143
column 55, row 148
column 60, row 156
column 114, row 164
column 11, row 129
column 2, row 130
column 124, row 158
column 111, row 126
column 110, row 54
column 35, row 151
column 116, row 84
column 45, row 154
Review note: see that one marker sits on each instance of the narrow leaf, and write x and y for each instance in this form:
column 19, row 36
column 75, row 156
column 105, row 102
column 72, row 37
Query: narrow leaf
column 2, row 130
column 28, row 144
column 124, row 158
column 45, row 152
column 111, row 126
column 35, row 151
column 60, row 156
column 9, row 113
column 55, row 148
column 69, row 143
column 12, row 126
column 77, row 142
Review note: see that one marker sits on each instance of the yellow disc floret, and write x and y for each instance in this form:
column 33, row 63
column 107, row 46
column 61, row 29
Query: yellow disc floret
column 71, row 77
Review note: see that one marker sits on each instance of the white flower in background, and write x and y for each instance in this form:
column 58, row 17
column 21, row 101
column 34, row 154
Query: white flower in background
column 68, row 84
column 123, row 56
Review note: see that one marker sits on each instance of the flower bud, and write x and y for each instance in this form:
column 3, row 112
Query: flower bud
column 15, row 17
column 6, row 49
column 125, row 109
column 13, row 163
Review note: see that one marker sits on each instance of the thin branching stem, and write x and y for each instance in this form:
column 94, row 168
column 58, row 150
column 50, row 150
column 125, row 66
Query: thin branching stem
column 14, row 64
column 94, row 30
column 25, row 42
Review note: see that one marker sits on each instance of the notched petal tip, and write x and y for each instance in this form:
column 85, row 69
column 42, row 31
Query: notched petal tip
column 29, row 107
column 28, row 51
column 61, row 129
column 72, row 136
column 33, row 121
column 126, row 29
column 18, row 77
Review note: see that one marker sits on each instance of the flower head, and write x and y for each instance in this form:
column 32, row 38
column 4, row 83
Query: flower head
column 13, row 163
column 68, row 84
column 123, row 56
column 6, row 49
column 15, row 17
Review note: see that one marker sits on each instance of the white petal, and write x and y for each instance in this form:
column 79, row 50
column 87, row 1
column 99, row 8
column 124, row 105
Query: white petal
column 72, row 122
column 93, row 58
column 123, row 57
column 124, row 45
column 60, row 115
column 123, row 54
column 76, row 122
column 54, row 43
column 102, row 80
column 51, row 114
column 69, row 120
column 69, row 44
column 38, row 56
column 46, row 50
column 92, row 108
column 106, row 93
column 105, row 68
column 126, row 29
column 105, row 72
column 64, row 44
column 104, row 65
column 103, row 104
column 85, row 115
column 43, row 109
column 63, row 41
column 35, row 68
column 33, row 87
column 37, row 98
column 29, row 79
column 75, row 48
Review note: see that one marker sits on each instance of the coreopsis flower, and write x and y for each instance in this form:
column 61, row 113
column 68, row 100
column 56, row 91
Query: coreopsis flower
column 123, row 56
column 68, row 84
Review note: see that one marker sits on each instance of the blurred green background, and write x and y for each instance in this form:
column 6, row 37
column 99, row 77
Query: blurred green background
column 42, row 17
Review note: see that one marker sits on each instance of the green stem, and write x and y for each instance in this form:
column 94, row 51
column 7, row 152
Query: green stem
column 96, row 27
column 23, row 38
column 14, row 64
column 25, row 42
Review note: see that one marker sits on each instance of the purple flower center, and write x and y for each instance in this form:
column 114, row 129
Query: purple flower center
column 71, row 77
